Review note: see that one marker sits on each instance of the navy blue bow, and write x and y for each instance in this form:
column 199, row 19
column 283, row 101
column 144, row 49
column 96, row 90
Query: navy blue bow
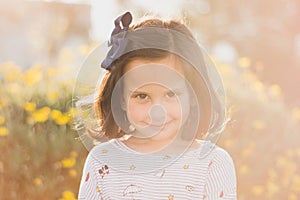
column 117, row 41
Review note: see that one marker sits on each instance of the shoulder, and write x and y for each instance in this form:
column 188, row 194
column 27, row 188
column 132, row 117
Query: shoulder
column 221, row 155
column 221, row 164
column 220, row 160
column 101, row 147
column 100, row 152
column 221, row 177
column 209, row 152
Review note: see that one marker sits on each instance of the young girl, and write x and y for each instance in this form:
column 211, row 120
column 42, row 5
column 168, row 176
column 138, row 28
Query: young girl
column 159, row 110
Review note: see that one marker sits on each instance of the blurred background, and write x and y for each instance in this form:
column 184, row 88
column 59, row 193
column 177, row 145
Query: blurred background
column 255, row 44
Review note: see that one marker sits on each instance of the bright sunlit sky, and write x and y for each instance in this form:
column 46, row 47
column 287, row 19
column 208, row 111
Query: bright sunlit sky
column 104, row 12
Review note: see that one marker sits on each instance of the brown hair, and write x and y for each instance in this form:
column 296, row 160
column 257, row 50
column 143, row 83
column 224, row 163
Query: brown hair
column 103, row 103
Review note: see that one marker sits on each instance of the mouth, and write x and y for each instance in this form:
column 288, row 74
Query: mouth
column 159, row 126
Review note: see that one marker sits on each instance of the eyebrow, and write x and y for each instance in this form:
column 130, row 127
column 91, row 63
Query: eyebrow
column 138, row 92
column 168, row 89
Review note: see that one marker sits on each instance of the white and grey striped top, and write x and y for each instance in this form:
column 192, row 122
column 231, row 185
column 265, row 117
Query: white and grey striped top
column 113, row 171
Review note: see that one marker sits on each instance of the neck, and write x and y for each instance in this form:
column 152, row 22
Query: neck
column 149, row 145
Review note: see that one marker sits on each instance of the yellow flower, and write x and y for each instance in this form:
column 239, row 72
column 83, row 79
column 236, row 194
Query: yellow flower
column 72, row 112
column 33, row 75
column 248, row 151
column 290, row 153
column 52, row 96
column 244, row 169
column 59, row 117
column 41, row 115
column 14, row 88
column 258, row 124
column 226, row 70
column 84, row 50
column 296, row 114
column 55, row 114
column 73, row 154
column 68, row 162
column 67, row 82
column 11, row 72
column 272, row 174
column 272, row 188
column 247, row 77
column 3, row 131
column 296, row 183
column 257, row 190
column 258, row 86
column 51, row 72
column 38, row 181
column 72, row 172
column 228, row 143
column 289, row 171
column 29, row 106
column 63, row 119
column 281, row 162
column 292, row 197
column 244, row 62
column 66, row 55
column 2, row 120
column 3, row 102
column 68, row 195
column 275, row 90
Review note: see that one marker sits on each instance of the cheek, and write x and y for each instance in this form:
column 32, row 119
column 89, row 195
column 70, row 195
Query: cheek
column 180, row 108
column 136, row 112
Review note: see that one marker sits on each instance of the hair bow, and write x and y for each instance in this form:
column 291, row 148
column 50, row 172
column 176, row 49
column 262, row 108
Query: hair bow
column 117, row 41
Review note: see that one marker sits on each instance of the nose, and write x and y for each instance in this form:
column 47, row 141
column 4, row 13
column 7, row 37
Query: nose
column 157, row 114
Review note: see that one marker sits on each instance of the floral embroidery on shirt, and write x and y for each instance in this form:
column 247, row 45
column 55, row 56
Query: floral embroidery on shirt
column 87, row 177
column 132, row 167
column 210, row 163
column 170, row 197
column 104, row 150
column 103, row 171
column 222, row 194
column 98, row 189
column 189, row 188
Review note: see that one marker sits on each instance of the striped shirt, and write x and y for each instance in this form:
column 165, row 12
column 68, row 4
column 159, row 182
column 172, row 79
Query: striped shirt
column 113, row 171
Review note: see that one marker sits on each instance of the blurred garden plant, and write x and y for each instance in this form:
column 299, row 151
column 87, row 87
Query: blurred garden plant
column 40, row 156
column 41, row 159
column 263, row 137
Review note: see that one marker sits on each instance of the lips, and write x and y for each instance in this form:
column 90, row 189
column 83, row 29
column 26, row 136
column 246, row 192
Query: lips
column 159, row 126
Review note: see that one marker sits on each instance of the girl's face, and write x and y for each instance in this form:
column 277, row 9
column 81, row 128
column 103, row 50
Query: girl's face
column 156, row 97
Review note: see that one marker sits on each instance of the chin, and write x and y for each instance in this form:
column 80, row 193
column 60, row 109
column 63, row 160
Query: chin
column 165, row 135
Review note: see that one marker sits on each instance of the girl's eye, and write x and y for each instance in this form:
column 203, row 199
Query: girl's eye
column 141, row 96
column 171, row 94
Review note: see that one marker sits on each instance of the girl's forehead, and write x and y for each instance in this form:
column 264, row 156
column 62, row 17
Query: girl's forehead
column 170, row 61
column 163, row 72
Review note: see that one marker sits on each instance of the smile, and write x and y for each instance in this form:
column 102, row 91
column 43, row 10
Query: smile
column 159, row 126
